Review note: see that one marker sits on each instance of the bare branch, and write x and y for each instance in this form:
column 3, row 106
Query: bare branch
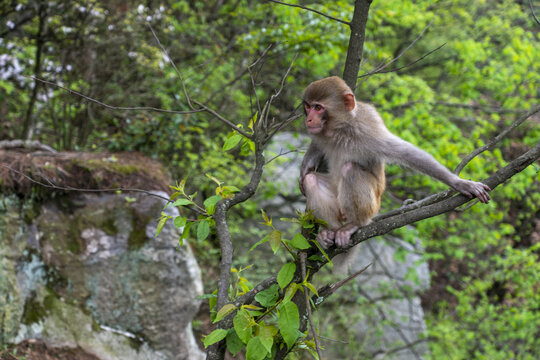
column 404, row 66
column 308, row 305
column 189, row 100
column 532, row 11
column 313, row 10
column 173, row 65
column 328, row 290
column 110, row 107
column 449, row 192
column 381, row 227
column 51, row 185
column 495, row 140
column 380, row 68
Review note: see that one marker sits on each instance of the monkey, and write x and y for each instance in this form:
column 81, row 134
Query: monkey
column 352, row 139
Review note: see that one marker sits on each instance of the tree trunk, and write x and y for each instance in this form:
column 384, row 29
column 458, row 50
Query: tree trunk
column 356, row 42
column 40, row 42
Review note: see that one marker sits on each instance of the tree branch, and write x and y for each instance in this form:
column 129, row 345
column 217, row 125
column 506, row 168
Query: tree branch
column 313, row 10
column 380, row 68
column 495, row 140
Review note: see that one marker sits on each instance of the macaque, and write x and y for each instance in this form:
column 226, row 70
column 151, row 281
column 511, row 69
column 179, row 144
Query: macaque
column 353, row 140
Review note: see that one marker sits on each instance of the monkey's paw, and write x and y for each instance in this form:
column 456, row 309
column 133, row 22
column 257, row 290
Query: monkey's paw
column 473, row 189
column 326, row 238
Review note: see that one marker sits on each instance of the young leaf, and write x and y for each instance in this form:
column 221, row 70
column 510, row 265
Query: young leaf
column 210, row 203
column 232, row 142
column 300, row 242
column 182, row 202
column 203, row 230
column 214, row 337
column 286, row 274
column 262, row 241
column 268, row 297
column 322, row 251
column 224, row 311
column 289, row 322
column 311, row 287
column 242, row 325
column 161, row 223
column 255, row 350
column 267, row 220
column 275, row 240
column 180, row 221
column 185, row 233
column 289, row 293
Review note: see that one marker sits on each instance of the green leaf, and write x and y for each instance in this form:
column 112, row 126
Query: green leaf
column 182, row 202
column 289, row 322
column 210, row 203
column 255, row 349
column 162, row 223
column 180, row 221
column 185, row 233
column 285, row 274
column 262, row 241
column 269, row 296
column 232, row 142
column 266, row 334
column 311, row 287
column 275, row 240
column 300, row 242
column 267, row 220
column 203, row 229
column 242, row 325
column 224, row 311
column 234, row 344
column 322, row 251
column 289, row 293
column 214, row 337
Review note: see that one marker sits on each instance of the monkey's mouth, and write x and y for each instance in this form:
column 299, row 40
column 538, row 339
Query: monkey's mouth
column 315, row 129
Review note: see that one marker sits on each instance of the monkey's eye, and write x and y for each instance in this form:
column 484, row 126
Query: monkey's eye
column 317, row 107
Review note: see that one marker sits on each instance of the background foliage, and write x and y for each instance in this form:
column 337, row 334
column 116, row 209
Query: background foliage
column 484, row 301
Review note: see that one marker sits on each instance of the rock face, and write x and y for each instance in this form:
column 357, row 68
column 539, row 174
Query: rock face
column 86, row 271
column 391, row 284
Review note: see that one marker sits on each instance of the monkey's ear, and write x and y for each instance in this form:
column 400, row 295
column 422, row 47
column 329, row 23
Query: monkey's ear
column 348, row 100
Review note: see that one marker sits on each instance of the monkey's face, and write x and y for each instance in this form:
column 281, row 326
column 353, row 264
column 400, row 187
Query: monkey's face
column 315, row 116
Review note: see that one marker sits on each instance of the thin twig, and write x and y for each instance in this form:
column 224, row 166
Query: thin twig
column 189, row 100
column 110, row 107
column 173, row 65
column 495, row 140
column 532, row 10
column 313, row 10
column 380, row 68
column 279, row 155
column 252, row 78
column 273, row 97
column 328, row 290
column 409, row 64
column 51, row 185
column 303, row 256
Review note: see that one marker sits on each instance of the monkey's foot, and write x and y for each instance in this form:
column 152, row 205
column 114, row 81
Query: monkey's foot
column 343, row 235
column 326, row 238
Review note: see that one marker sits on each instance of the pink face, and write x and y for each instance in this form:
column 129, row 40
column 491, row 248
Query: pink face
column 315, row 117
